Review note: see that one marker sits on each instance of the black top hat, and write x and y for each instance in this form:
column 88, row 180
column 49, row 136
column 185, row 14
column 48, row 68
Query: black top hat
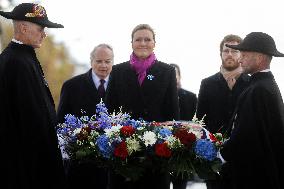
column 32, row 13
column 258, row 42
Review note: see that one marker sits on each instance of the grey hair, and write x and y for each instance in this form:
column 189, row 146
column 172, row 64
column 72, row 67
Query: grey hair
column 92, row 55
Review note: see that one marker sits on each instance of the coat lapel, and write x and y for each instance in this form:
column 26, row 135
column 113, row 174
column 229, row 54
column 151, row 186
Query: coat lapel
column 131, row 78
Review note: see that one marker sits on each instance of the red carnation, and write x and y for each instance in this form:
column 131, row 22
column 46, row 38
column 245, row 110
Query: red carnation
column 163, row 150
column 127, row 130
column 212, row 137
column 121, row 150
column 185, row 137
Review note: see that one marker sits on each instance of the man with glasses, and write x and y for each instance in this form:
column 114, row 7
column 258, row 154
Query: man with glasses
column 218, row 95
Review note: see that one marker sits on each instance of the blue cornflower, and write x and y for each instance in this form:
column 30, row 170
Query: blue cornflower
column 150, row 77
column 205, row 149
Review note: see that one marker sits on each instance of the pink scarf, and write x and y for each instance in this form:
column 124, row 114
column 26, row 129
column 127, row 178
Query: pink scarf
column 141, row 66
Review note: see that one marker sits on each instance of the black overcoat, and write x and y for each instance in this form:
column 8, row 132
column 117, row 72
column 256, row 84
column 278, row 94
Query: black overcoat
column 255, row 150
column 79, row 97
column 217, row 102
column 187, row 104
column 155, row 100
column 30, row 156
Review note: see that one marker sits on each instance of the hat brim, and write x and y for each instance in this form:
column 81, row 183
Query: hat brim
column 44, row 23
column 240, row 47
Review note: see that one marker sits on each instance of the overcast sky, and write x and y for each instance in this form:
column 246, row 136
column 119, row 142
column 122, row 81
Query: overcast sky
column 188, row 33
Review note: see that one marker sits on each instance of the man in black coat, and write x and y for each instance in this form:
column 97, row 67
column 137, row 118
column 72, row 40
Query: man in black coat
column 187, row 107
column 255, row 150
column 79, row 97
column 218, row 95
column 30, row 156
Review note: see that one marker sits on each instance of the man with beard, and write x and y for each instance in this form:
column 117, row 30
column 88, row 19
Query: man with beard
column 218, row 95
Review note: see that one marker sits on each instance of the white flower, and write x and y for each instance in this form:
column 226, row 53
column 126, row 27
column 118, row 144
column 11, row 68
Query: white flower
column 77, row 131
column 198, row 134
column 140, row 128
column 149, row 138
column 195, row 129
column 132, row 145
column 94, row 134
column 173, row 142
column 113, row 131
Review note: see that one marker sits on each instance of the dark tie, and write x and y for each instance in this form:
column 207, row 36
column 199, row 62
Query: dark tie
column 101, row 89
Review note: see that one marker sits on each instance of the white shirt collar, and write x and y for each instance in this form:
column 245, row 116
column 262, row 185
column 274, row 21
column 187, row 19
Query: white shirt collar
column 266, row 70
column 16, row 41
column 97, row 81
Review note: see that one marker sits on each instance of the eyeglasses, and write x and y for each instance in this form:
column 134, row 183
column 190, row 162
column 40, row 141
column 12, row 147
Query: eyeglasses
column 232, row 51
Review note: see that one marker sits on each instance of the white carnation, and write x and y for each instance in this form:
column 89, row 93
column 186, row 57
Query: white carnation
column 113, row 131
column 149, row 138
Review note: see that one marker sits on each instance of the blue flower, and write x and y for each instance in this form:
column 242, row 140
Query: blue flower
column 133, row 123
column 101, row 108
column 205, row 149
column 164, row 132
column 72, row 120
column 104, row 147
column 104, row 121
column 84, row 119
column 150, row 77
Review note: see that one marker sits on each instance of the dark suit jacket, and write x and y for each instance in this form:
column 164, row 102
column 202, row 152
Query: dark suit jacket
column 30, row 155
column 217, row 101
column 79, row 97
column 255, row 150
column 187, row 104
column 155, row 100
